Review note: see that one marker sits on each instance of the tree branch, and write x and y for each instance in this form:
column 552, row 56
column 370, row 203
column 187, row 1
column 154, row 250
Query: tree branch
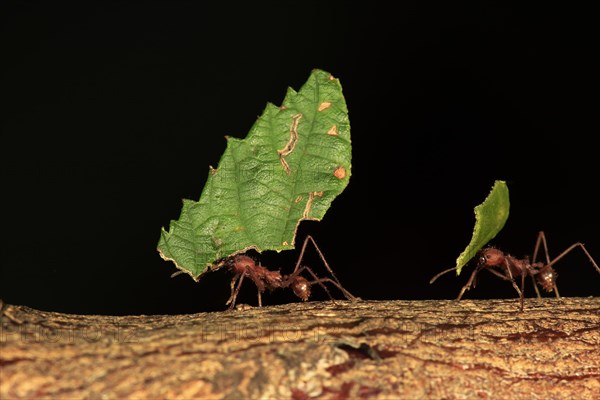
column 376, row 349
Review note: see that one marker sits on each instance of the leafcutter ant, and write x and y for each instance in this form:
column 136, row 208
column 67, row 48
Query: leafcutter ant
column 243, row 266
column 508, row 268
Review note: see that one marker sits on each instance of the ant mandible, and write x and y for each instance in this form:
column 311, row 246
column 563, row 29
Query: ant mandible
column 508, row 268
column 243, row 266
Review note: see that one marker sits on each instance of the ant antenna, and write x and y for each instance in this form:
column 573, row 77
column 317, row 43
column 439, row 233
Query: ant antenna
column 442, row 273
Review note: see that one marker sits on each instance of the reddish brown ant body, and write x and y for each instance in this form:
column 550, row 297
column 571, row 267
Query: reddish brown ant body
column 243, row 266
column 508, row 268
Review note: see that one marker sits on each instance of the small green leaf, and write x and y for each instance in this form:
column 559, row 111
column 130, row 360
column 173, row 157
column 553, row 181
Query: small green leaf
column 291, row 166
column 490, row 217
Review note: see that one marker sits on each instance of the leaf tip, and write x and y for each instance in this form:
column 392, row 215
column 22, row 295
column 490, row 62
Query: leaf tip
column 490, row 217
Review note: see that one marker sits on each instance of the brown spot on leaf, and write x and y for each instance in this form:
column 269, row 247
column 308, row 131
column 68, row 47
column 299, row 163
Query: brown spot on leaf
column 340, row 172
column 298, row 199
column 324, row 106
column 333, row 131
column 309, row 202
column 291, row 144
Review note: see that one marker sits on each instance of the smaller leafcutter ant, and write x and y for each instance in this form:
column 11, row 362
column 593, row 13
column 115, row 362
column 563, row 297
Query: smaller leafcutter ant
column 509, row 268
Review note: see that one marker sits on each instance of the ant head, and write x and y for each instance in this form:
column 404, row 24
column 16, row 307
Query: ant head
column 301, row 288
column 490, row 257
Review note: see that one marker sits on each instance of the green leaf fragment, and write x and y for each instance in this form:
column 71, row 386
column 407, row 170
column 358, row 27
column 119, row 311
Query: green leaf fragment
column 490, row 217
column 295, row 160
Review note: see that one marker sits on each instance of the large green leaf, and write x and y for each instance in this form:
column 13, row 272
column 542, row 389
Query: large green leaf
column 490, row 217
column 295, row 160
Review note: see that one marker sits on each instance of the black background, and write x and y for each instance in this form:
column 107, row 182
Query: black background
column 113, row 111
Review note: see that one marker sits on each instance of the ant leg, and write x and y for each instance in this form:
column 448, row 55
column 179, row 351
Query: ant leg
column 523, row 284
column 320, row 282
column 512, row 281
column 338, row 284
column 469, row 283
column 232, row 285
column 535, row 286
column 568, row 250
column 541, row 239
column 556, row 291
column 509, row 277
column 235, row 292
column 346, row 293
column 499, row 274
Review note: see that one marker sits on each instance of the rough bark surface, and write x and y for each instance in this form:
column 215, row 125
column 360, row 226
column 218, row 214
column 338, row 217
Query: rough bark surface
column 374, row 349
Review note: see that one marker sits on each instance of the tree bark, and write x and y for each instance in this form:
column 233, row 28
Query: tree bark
column 375, row 349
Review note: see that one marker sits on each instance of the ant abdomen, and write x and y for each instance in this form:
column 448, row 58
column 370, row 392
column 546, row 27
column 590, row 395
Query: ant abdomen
column 547, row 278
column 301, row 288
